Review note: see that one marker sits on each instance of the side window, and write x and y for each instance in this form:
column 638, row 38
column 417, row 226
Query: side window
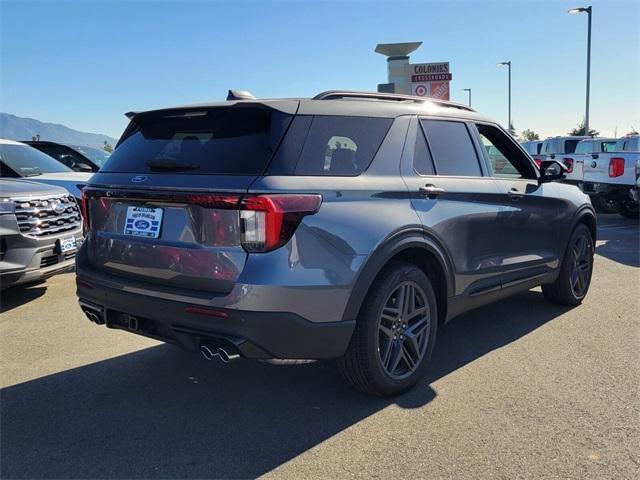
column 422, row 161
column 570, row 146
column 505, row 157
column 452, row 148
column 341, row 146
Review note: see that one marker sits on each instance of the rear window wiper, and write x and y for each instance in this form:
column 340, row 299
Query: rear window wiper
column 170, row 166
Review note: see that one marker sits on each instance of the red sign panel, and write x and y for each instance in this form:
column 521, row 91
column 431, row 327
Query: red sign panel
column 440, row 90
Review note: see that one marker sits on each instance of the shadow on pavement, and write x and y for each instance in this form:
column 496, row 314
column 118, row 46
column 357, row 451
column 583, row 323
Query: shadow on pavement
column 19, row 295
column 162, row 413
column 622, row 241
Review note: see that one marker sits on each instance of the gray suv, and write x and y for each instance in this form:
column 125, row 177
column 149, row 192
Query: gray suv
column 348, row 226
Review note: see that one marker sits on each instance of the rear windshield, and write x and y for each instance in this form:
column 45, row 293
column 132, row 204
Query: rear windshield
column 221, row 141
column 570, row 146
column 585, row 147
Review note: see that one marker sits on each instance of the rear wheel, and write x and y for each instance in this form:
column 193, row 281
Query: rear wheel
column 395, row 333
column 603, row 204
column 628, row 209
column 574, row 279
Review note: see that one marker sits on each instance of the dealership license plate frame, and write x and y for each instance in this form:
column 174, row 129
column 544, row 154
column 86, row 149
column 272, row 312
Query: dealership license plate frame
column 143, row 222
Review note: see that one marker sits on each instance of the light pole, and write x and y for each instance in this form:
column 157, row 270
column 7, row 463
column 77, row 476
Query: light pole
column 468, row 90
column 588, row 10
column 508, row 64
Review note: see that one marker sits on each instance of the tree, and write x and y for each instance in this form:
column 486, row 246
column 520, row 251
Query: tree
column 579, row 131
column 107, row 147
column 529, row 135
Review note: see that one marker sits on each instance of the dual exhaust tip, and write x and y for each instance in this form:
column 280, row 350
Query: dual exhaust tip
column 94, row 316
column 224, row 355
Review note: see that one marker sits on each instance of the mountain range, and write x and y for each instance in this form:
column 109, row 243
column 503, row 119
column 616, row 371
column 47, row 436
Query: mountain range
column 13, row 127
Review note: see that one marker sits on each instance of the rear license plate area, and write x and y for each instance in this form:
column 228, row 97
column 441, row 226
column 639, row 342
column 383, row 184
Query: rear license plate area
column 143, row 222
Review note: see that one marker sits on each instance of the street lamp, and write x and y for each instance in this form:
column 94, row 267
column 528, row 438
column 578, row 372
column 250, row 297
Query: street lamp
column 468, row 90
column 588, row 10
column 508, row 64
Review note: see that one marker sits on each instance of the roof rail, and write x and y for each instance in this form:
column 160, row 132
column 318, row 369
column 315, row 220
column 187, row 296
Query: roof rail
column 338, row 94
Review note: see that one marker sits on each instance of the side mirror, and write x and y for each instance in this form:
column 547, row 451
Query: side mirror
column 551, row 170
column 83, row 167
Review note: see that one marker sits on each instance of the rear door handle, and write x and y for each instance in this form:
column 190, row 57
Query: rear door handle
column 515, row 194
column 431, row 191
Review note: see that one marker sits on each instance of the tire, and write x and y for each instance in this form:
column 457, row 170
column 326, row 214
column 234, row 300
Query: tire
column 573, row 281
column 377, row 364
column 628, row 209
column 604, row 205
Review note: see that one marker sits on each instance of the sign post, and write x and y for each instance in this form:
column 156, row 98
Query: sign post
column 429, row 79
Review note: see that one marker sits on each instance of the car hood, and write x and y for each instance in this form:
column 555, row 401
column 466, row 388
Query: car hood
column 25, row 188
column 68, row 180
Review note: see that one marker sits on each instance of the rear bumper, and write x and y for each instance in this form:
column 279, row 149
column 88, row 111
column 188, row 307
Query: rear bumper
column 610, row 190
column 253, row 334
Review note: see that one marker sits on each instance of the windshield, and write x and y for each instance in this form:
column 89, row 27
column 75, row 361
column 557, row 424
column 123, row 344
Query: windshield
column 29, row 162
column 96, row 155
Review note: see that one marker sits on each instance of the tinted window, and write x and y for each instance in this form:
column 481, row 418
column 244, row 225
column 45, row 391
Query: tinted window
column 341, row 146
column 229, row 141
column 67, row 156
column 96, row 155
column 28, row 162
column 570, row 146
column 422, row 161
column 452, row 149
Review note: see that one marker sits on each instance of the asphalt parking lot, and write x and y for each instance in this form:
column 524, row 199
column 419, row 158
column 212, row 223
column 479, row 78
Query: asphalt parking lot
column 519, row 389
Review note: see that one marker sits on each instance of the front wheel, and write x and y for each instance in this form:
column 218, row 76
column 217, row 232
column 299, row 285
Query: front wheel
column 574, row 278
column 395, row 333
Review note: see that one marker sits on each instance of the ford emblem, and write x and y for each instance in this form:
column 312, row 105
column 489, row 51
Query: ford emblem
column 594, row 164
column 58, row 207
column 139, row 179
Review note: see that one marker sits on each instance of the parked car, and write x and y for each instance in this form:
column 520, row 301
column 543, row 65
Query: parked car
column 350, row 226
column 562, row 149
column 40, row 230
column 613, row 177
column 18, row 160
column 533, row 148
column 586, row 150
column 66, row 155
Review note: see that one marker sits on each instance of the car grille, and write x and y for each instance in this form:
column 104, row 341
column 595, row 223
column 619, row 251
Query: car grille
column 39, row 217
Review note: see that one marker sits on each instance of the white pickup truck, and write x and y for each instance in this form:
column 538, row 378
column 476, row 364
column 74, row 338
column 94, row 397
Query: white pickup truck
column 562, row 149
column 614, row 176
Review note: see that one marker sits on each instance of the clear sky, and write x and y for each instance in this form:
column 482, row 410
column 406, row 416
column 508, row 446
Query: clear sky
column 85, row 63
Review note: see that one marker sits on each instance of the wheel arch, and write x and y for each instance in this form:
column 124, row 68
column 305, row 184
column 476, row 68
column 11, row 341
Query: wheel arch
column 415, row 246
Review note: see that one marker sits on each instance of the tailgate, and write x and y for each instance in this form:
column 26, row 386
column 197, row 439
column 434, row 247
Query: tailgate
column 187, row 240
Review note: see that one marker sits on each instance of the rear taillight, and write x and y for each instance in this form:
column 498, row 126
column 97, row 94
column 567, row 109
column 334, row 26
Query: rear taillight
column 616, row 167
column 538, row 162
column 84, row 209
column 568, row 162
column 268, row 221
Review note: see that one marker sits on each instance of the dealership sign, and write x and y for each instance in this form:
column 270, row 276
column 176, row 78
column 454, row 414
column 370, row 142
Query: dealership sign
column 429, row 79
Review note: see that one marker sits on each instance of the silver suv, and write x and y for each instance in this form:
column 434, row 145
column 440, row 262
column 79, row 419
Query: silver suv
column 40, row 230
column 350, row 226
